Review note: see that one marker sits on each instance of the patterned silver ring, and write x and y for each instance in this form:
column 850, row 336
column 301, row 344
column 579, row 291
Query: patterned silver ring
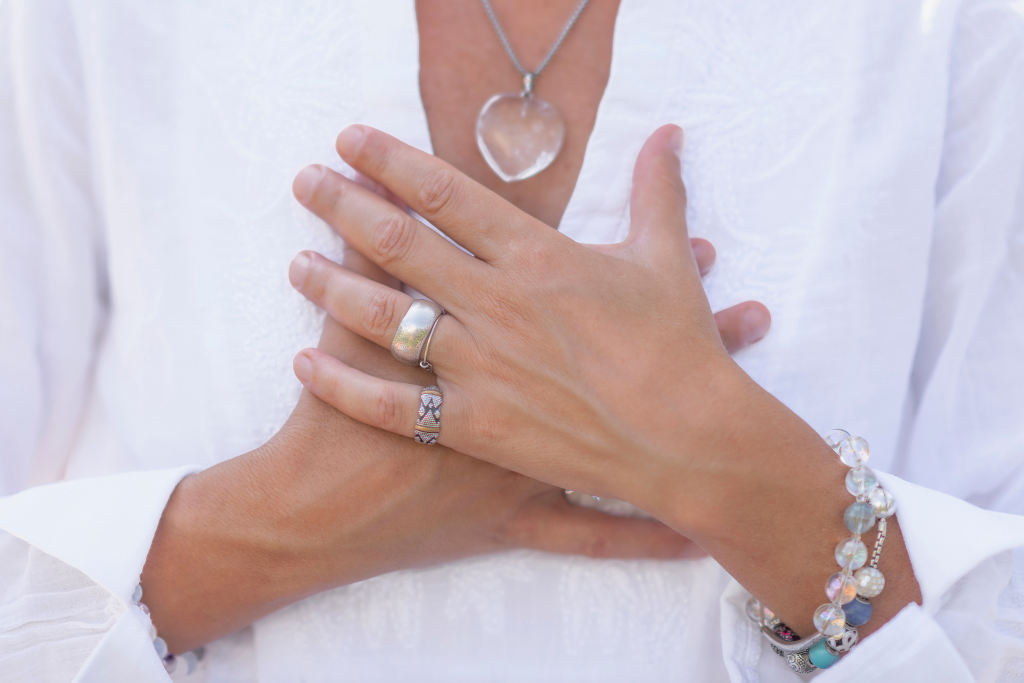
column 428, row 424
column 414, row 330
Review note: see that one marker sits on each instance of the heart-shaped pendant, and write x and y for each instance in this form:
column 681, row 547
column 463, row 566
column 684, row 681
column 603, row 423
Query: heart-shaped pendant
column 519, row 136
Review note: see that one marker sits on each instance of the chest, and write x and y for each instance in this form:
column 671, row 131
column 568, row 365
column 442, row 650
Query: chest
column 463, row 64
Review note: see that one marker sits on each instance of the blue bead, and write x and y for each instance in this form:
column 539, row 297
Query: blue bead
column 820, row 656
column 858, row 612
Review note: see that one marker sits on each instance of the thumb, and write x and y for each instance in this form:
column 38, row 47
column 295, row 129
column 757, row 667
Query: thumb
column 658, row 203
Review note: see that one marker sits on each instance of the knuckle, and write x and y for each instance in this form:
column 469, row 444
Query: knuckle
column 384, row 404
column 438, row 192
column 393, row 239
column 378, row 313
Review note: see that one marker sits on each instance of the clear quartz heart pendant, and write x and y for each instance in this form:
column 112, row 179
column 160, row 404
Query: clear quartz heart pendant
column 519, row 135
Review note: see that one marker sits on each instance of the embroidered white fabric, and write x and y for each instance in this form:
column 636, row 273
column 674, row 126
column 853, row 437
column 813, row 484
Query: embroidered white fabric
column 859, row 166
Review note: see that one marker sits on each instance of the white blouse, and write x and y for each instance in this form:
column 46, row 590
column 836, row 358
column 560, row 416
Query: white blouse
column 858, row 165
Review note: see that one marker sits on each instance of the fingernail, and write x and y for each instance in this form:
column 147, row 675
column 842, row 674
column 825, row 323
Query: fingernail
column 306, row 182
column 676, row 141
column 303, row 367
column 755, row 325
column 298, row 269
column 349, row 141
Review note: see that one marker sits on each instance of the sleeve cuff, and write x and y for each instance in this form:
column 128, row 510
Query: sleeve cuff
column 102, row 526
column 910, row 647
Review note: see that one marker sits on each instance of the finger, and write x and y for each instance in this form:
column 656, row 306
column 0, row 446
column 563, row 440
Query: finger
column 387, row 405
column 743, row 324
column 398, row 243
column 555, row 526
column 370, row 309
column 360, row 265
column 379, row 190
column 658, row 203
column 466, row 211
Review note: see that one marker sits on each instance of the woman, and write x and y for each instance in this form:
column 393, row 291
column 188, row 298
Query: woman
column 149, row 154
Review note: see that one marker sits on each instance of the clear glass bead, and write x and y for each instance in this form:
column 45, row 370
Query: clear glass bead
column 137, row 595
column 860, row 481
column 883, row 502
column 191, row 662
column 870, row 582
column 142, row 606
column 170, row 663
column 854, row 451
column 840, row 588
column 859, row 518
column 160, row 646
column 829, row 619
column 851, row 553
column 836, row 437
column 754, row 610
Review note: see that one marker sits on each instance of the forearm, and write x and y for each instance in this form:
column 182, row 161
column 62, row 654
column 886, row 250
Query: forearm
column 773, row 516
column 260, row 531
column 220, row 558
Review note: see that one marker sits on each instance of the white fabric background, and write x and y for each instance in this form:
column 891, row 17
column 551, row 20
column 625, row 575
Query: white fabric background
column 858, row 165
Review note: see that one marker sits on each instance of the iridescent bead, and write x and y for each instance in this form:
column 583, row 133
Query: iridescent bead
column 829, row 619
column 191, row 661
column 870, row 582
column 851, row 553
column 754, row 610
column 840, row 586
column 142, row 606
column 836, row 437
column 820, row 656
column 859, row 517
column 883, row 502
column 854, row 451
column 137, row 595
column 160, row 646
column 152, row 631
column 170, row 663
column 858, row 612
column 860, row 481
column 845, row 641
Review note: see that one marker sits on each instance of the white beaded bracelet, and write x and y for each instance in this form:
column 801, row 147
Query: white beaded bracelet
column 851, row 588
column 170, row 661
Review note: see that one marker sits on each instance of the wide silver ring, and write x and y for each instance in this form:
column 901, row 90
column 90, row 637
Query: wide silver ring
column 415, row 329
column 428, row 422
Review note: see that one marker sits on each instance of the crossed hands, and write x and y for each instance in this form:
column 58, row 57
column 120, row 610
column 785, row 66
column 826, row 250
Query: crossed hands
column 564, row 365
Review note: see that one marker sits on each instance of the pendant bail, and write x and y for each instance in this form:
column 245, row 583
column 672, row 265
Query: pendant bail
column 527, row 85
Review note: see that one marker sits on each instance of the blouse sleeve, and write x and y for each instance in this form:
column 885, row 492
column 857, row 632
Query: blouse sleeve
column 70, row 552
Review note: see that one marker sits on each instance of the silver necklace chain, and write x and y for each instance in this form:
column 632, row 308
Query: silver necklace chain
column 529, row 76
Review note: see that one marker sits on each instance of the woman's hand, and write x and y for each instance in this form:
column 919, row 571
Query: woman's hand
column 574, row 364
column 330, row 501
column 599, row 369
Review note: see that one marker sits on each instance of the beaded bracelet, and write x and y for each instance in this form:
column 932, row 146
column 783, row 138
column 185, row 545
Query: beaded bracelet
column 170, row 661
column 851, row 588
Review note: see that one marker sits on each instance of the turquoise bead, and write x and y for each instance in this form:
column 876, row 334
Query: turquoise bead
column 821, row 657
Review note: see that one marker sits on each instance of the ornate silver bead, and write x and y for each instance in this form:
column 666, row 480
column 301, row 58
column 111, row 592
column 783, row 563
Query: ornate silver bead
column 800, row 662
column 844, row 642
